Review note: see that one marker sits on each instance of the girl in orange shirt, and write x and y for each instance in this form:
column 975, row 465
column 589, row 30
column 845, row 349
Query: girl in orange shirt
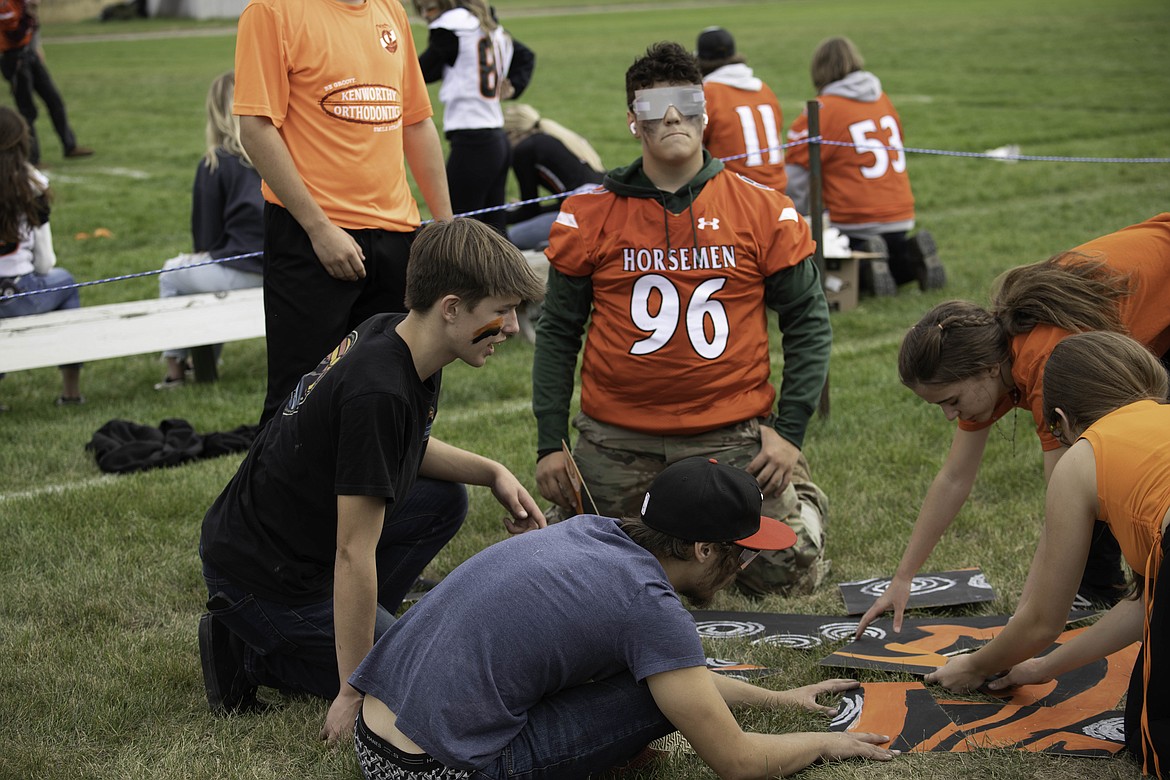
column 1104, row 397
column 978, row 364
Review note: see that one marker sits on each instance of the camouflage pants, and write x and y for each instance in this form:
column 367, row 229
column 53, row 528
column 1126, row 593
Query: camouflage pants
column 618, row 466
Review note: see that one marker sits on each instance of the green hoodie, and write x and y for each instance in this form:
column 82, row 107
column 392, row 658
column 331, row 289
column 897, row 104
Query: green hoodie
column 794, row 293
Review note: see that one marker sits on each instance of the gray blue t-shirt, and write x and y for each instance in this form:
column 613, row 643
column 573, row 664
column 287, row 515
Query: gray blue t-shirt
column 520, row 621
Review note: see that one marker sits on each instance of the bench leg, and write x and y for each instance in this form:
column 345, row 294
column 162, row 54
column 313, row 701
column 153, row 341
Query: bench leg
column 203, row 361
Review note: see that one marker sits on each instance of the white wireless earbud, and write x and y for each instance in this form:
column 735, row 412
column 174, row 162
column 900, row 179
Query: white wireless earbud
column 706, row 119
column 633, row 129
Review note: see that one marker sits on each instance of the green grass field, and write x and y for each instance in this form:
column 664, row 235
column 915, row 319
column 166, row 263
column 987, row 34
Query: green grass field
column 99, row 670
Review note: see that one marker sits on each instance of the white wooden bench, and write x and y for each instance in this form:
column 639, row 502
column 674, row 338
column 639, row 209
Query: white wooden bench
column 132, row 328
column 136, row 327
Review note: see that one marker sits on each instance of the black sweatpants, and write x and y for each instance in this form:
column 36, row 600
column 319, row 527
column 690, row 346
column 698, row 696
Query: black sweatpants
column 477, row 173
column 306, row 311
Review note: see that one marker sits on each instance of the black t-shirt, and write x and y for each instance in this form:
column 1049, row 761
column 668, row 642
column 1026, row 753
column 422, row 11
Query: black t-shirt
column 356, row 425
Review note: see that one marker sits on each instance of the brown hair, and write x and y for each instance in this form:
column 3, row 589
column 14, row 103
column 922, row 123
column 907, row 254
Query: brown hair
column 834, row 59
column 957, row 339
column 467, row 258
column 1089, row 375
column 662, row 545
column 953, row 341
column 1070, row 290
column 664, row 62
column 23, row 202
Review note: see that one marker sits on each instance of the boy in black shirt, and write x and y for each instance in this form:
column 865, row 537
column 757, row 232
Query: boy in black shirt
column 345, row 497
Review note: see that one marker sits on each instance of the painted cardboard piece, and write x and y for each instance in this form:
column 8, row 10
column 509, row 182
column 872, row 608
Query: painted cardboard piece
column 582, row 500
column 924, row 644
column 1072, row 715
column 905, row 711
column 799, row 632
column 919, row 724
column 1063, row 729
column 940, row 589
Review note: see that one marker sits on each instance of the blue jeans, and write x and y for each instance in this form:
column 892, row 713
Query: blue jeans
column 179, row 279
column 532, row 233
column 582, row 730
column 291, row 647
column 42, row 302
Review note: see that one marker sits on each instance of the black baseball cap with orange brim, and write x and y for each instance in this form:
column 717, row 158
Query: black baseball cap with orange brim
column 701, row 500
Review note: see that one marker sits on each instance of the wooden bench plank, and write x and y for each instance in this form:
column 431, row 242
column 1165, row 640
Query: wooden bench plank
column 137, row 327
column 131, row 328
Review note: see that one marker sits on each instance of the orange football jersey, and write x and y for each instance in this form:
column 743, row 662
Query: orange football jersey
column 678, row 341
column 864, row 181
column 742, row 122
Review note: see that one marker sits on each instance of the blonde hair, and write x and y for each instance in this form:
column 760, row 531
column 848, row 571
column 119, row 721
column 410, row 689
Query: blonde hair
column 1089, row 375
column 223, row 127
column 522, row 120
column 834, row 59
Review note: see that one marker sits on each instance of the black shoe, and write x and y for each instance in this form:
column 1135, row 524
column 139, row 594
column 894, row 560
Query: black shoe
column 922, row 253
column 228, row 689
column 876, row 277
column 420, row 588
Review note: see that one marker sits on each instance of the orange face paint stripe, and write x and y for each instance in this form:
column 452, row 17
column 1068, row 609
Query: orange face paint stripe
column 493, row 328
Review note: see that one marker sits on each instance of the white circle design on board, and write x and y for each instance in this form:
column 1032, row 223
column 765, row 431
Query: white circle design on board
column 835, row 631
column 794, row 641
column 920, row 586
column 848, row 713
column 728, row 629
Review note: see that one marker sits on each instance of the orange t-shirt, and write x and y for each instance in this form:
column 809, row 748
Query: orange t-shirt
column 339, row 82
column 1143, row 252
column 744, row 122
column 678, row 342
column 1131, row 447
column 862, row 182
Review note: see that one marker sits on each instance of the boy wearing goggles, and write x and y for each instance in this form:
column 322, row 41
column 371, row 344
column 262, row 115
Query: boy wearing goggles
column 674, row 261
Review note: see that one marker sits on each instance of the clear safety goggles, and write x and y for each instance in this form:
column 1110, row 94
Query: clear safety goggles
column 652, row 104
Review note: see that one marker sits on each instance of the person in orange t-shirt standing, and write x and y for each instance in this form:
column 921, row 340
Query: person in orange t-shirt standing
column 979, row 364
column 328, row 119
column 674, row 262
column 744, row 117
column 866, row 185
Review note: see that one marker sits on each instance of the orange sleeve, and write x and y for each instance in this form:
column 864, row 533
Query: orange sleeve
column 261, row 66
column 573, row 234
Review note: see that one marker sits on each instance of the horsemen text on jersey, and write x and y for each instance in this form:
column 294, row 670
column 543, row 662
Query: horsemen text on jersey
column 685, row 258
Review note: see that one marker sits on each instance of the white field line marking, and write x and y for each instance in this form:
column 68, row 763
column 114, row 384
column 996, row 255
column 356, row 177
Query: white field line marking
column 45, row 490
